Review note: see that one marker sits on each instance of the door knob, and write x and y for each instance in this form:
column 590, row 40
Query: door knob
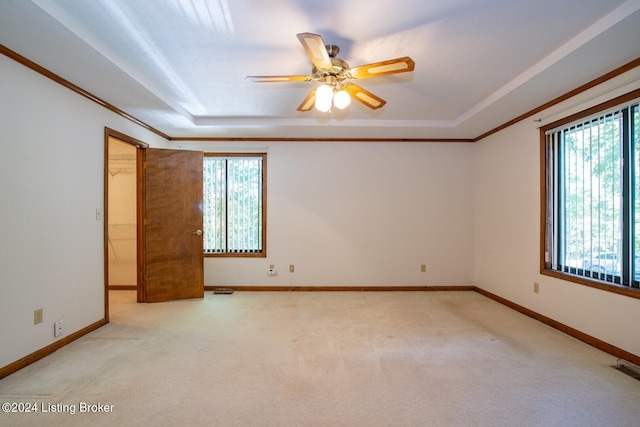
column 198, row 232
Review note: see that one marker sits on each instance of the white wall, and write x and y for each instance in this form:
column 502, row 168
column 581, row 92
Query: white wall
column 51, row 182
column 360, row 214
column 507, row 227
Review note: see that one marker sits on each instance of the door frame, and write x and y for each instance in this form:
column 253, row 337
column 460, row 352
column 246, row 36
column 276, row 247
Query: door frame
column 139, row 145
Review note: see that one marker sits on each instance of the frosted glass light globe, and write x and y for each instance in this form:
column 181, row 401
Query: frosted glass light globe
column 324, row 96
column 341, row 99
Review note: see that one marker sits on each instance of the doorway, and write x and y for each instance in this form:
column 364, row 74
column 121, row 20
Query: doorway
column 121, row 213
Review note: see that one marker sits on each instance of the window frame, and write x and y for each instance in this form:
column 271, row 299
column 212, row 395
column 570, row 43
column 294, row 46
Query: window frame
column 545, row 263
column 263, row 253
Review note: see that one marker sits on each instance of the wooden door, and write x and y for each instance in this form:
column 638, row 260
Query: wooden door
column 171, row 227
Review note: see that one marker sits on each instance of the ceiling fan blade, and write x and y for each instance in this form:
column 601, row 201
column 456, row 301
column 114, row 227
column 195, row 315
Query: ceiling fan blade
column 308, row 102
column 392, row 66
column 259, row 79
column 314, row 45
column 364, row 96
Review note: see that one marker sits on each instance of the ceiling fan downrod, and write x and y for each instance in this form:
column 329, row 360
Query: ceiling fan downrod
column 332, row 50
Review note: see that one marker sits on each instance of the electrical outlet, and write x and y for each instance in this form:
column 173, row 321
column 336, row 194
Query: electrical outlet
column 292, row 268
column 37, row 316
column 536, row 288
column 58, row 327
column 423, row 268
column 99, row 214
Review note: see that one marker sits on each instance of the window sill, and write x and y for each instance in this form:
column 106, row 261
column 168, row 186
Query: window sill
column 237, row 255
column 604, row 286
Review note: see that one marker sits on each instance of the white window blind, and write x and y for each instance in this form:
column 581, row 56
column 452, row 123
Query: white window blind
column 233, row 205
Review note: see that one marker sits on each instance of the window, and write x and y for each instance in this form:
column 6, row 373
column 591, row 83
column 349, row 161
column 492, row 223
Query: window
column 234, row 205
column 591, row 189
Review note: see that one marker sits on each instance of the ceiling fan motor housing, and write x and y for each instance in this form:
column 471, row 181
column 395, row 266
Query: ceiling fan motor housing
column 336, row 72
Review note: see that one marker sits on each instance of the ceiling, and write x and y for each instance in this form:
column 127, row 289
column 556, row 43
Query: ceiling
column 180, row 65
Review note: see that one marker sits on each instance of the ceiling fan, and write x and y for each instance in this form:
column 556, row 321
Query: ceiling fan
column 335, row 73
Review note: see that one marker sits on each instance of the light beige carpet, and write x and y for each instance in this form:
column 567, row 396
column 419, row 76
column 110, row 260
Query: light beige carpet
column 324, row 359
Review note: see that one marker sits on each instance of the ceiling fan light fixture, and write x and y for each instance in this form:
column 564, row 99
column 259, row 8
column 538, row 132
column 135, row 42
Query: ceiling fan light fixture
column 341, row 99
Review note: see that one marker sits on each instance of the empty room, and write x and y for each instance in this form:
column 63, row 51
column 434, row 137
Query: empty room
column 320, row 213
